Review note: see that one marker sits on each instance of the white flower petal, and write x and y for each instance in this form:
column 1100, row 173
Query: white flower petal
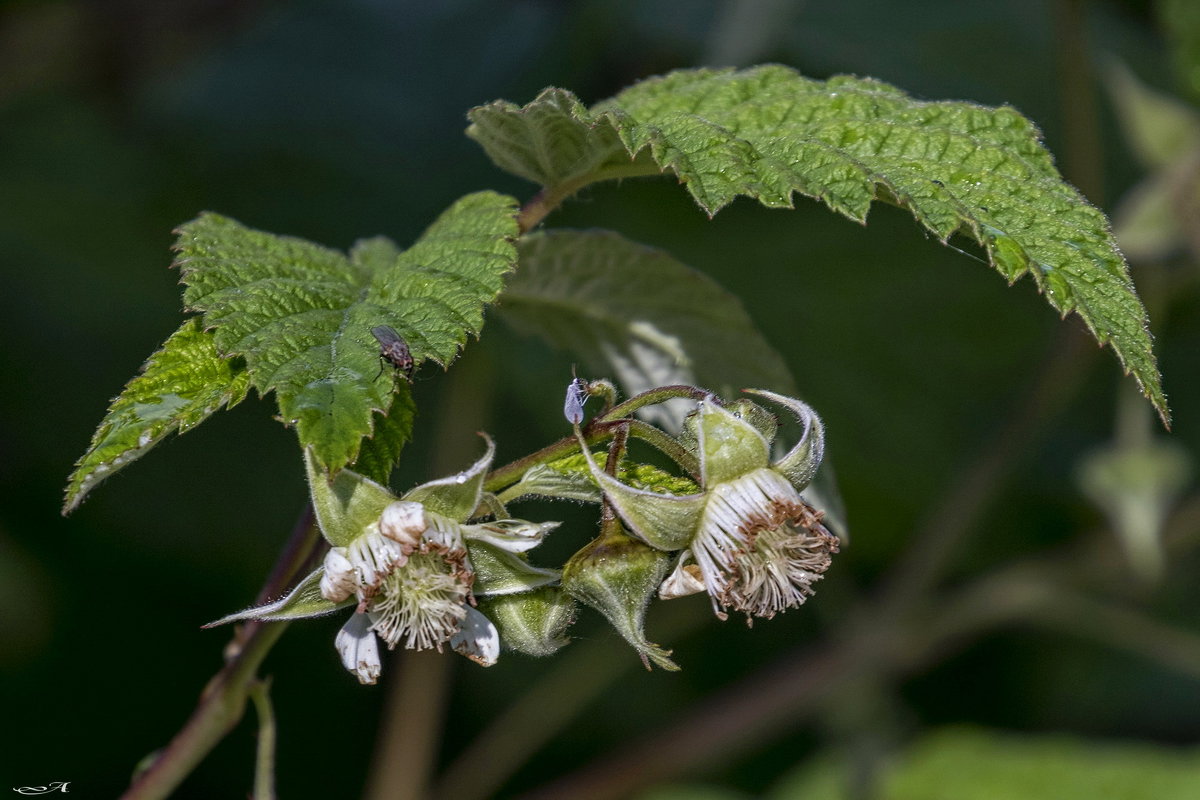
column 403, row 522
column 477, row 639
column 339, row 579
column 359, row 649
column 513, row 535
column 683, row 580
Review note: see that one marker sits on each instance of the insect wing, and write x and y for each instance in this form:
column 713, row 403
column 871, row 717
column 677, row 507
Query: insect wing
column 393, row 347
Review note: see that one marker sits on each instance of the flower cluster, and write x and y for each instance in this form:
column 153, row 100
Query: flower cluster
column 421, row 570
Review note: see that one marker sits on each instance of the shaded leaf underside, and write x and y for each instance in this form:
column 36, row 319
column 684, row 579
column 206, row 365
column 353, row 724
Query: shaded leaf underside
column 768, row 133
column 639, row 313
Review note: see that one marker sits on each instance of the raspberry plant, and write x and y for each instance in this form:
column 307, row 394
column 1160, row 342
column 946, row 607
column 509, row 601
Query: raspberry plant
column 446, row 565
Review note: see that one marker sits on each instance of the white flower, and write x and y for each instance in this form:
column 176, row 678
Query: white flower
column 416, row 593
column 748, row 538
column 406, row 566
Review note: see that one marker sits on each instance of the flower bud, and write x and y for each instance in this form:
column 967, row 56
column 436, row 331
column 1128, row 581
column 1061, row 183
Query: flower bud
column 533, row 623
column 617, row 575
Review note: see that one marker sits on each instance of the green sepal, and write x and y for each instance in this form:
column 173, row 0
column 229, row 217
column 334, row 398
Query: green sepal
column 762, row 420
column 618, row 575
column 457, row 496
column 533, row 623
column 570, row 479
column 564, row 479
column 664, row 521
column 500, row 572
column 729, row 446
column 303, row 602
column 346, row 504
column 800, row 463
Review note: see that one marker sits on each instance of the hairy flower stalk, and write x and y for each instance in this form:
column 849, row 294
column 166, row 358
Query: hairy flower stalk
column 748, row 539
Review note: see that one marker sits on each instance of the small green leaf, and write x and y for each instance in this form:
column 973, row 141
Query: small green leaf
column 302, row 314
column 636, row 312
column 1160, row 129
column 303, row 602
column 769, row 133
column 457, row 496
column 181, row 385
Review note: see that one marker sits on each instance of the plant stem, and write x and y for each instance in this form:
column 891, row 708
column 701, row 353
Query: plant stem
column 410, row 726
column 264, row 766
column 218, row 712
column 652, row 397
column 549, row 198
column 223, row 700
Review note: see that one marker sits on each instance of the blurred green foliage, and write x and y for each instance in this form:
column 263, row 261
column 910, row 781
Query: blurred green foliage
column 338, row 120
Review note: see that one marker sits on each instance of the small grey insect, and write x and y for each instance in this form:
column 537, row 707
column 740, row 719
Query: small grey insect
column 577, row 395
column 393, row 349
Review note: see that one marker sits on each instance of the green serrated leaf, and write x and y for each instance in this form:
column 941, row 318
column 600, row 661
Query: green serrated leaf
column 181, row 385
column 381, row 450
column 637, row 313
column 302, row 314
column 769, row 133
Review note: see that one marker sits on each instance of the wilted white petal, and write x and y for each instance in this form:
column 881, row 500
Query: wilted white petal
column 443, row 532
column 339, row 579
column 477, row 639
column 403, row 522
column 736, row 511
column 374, row 556
column 684, row 579
column 513, row 535
column 357, row 646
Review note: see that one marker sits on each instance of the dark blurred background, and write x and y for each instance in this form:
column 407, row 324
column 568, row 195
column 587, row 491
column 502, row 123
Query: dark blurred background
column 120, row 119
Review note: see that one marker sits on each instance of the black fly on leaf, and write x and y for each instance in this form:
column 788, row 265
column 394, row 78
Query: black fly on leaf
column 393, row 350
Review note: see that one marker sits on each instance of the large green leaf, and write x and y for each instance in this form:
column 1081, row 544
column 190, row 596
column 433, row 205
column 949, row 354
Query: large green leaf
column 637, row 313
column 301, row 315
column 180, row 386
column 768, row 133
